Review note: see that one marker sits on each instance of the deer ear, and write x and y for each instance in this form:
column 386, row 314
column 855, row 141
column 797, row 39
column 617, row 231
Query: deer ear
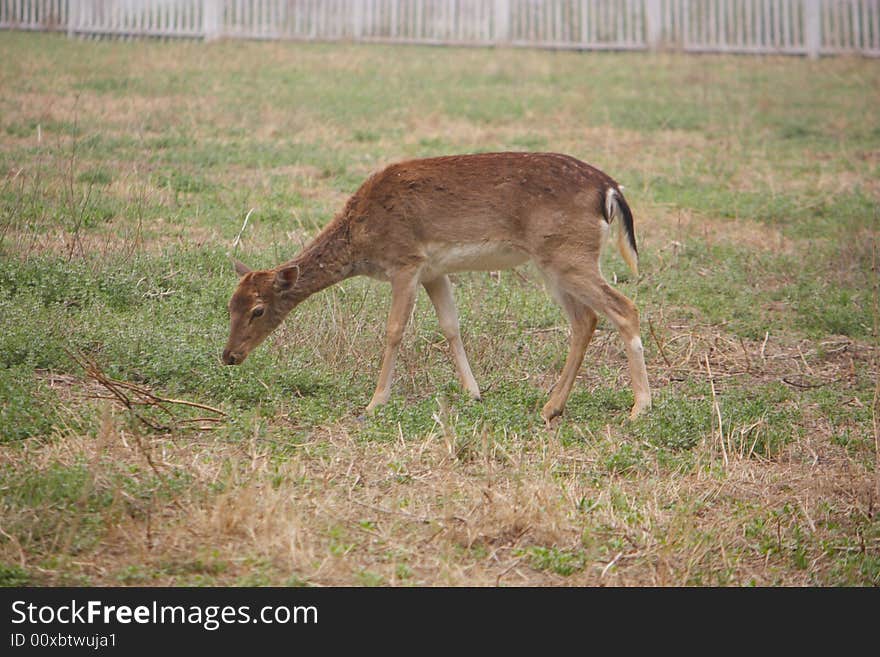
column 286, row 277
column 240, row 268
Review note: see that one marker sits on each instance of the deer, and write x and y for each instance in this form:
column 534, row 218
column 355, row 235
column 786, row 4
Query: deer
column 417, row 221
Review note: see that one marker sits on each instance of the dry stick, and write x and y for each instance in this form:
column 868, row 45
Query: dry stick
column 237, row 239
column 507, row 570
column 156, row 398
column 93, row 372
column 795, row 384
column 179, row 402
column 147, row 398
column 610, row 564
column 717, row 411
column 126, row 401
column 804, row 361
column 659, row 344
column 199, row 419
column 746, row 353
column 755, row 441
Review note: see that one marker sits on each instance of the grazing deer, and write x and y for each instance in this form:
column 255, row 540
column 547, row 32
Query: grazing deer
column 415, row 222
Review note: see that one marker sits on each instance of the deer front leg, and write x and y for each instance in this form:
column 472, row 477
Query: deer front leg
column 403, row 296
column 440, row 292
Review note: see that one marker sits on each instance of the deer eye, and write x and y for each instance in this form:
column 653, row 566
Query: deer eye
column 258, row 312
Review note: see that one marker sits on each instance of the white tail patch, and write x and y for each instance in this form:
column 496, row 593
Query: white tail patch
column 604, row 232
column 612, row 211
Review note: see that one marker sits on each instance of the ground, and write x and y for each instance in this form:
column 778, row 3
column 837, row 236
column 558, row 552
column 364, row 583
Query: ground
column 127, row 170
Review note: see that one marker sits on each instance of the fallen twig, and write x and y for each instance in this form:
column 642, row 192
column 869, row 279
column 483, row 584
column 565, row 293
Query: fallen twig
column 659, row 344
column 132, row 396
column 237, row 239
column 717, row 409
column 796, row 384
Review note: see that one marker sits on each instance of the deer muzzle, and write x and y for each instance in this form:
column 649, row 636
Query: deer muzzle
column 232, row 358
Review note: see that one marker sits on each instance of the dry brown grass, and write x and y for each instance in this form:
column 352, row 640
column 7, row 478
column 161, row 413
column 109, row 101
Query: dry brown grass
column 334, row 514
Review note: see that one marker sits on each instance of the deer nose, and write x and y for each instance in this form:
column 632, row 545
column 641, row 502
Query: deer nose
column 228, row 357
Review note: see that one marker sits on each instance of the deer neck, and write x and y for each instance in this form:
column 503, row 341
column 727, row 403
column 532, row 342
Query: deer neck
column 324, row 262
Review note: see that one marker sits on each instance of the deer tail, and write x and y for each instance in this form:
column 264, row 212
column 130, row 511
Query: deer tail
column 616, row 206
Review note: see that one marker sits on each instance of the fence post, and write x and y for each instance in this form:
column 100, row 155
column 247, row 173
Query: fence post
column 501, row 14
column 73, row 9
column 212, row 18
column 357, row 17
column 653, row 24
column 812, row 28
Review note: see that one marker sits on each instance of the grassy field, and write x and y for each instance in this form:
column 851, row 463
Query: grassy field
column 126, row 174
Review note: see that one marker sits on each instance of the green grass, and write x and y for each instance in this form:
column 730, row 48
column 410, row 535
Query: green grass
column 28, row 409
column 126, row 172
column 558, row 561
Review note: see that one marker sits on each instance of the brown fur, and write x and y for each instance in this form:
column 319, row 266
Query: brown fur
column 416, row 221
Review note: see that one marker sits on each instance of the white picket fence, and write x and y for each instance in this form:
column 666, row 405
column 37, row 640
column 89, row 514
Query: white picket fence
column 805, row 27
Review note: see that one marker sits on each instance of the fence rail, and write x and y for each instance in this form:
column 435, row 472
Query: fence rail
column 805, row 27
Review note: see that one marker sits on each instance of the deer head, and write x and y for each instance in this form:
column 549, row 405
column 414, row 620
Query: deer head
column 257, row 307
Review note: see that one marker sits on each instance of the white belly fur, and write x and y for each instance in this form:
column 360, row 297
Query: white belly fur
column 486, row 256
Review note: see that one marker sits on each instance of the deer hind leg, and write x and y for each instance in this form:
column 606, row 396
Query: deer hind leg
column 583, row 323
column 587, row 286
column 403, row 296
column 440, row 292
